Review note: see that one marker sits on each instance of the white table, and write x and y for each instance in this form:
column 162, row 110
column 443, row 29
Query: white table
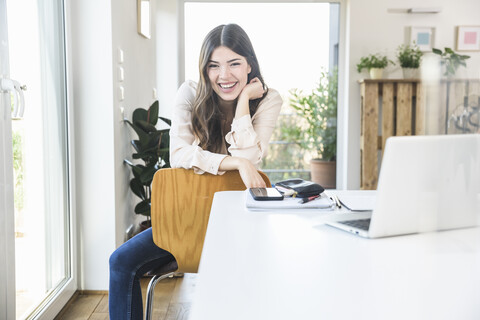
column 289, row 265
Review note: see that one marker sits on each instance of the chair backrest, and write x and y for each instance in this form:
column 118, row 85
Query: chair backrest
column 181, row 202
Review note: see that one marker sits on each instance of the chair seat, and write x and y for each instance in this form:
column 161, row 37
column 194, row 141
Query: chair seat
column 169, row 267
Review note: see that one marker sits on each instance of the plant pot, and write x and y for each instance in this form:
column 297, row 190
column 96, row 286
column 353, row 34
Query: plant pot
column 410, row 73
column 144, row 225
column 376, row 73
column 324, row 173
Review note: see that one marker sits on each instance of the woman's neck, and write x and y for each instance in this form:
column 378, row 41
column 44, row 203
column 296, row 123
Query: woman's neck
column 228, row 108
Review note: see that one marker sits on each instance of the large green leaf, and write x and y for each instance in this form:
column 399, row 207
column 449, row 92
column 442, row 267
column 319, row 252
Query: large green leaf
column 146, row 126
column 146, row 140
column 147, row 174
column 139, row 114
column 143, row 208
column 138, row 188
column 142, row 135
column 167, row 121
column 137, row 170
column 153, row 113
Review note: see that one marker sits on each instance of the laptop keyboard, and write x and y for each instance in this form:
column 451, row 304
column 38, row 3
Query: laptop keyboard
column 363, row 224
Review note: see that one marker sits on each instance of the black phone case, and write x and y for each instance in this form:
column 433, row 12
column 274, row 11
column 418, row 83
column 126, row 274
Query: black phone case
column 303, row 188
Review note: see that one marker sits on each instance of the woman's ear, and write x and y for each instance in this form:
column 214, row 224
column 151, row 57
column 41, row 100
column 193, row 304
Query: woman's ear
column 249, row 69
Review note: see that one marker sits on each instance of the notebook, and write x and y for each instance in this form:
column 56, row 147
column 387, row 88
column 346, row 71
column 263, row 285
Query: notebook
column 323, row 202
column 426, row 183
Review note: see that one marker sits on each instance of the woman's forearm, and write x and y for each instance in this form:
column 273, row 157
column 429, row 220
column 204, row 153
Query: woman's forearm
column 232, row 163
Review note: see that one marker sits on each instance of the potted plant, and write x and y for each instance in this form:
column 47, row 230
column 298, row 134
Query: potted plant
column 374, row 63
column 152, row 147
column 317, row 128
column 451, row 61
column 409, row 57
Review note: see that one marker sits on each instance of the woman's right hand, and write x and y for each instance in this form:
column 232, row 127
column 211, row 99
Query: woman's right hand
column 254, row 89
column 249, row 174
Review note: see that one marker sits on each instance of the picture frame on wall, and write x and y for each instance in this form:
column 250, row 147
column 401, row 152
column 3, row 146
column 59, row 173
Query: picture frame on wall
column 468, row 38
column 423, row 37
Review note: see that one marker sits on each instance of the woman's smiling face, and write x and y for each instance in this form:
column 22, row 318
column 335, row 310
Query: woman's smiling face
column 228, row 73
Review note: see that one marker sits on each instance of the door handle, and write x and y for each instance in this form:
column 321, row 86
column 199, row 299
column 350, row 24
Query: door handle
column 9, row 85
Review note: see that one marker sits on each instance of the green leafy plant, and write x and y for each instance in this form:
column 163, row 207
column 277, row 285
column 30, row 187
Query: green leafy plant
column 409, row 56
column 18, row 169
column 317, row 129
column 451, row 60
column 153, row 147
column 373, row 61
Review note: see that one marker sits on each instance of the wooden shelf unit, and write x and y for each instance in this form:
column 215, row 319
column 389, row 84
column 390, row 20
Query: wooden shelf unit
column 398, row 107
column 388, row 108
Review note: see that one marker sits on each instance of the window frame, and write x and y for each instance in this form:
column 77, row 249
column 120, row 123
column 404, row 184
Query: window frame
column 343, row 67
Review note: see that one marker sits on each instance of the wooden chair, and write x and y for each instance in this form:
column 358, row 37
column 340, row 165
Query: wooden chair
column 181, row 202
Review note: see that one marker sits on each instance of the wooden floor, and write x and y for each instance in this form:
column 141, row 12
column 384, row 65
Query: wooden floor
column 172, row 301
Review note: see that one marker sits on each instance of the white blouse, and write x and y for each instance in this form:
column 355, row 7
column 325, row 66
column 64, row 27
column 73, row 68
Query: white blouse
column 248, row 138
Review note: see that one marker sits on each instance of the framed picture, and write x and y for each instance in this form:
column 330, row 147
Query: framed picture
column 423, row 37
column 468, row 38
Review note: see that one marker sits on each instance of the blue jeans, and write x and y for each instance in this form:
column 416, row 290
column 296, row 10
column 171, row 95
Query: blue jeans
column 127, row 264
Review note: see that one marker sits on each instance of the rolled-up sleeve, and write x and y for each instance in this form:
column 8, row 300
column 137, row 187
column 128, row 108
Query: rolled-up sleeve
column 184, row 149
column 249, row 137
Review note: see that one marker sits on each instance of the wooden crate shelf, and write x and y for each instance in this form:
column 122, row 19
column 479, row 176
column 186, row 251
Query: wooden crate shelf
column 398, row 107
column 389, row 108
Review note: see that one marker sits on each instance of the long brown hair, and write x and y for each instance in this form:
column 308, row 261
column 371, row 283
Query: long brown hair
column 206, row 114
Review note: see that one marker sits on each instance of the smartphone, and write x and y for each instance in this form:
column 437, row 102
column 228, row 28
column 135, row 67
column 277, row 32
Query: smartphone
column 265, row 194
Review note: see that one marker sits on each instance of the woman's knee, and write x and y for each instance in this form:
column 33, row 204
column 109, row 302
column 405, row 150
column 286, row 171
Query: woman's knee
column 117, row 259
column 122, row 259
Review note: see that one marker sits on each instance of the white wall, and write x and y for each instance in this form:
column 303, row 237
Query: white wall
column 373, row 29
column 104, row 202
column 91, row 46
column 140, row 71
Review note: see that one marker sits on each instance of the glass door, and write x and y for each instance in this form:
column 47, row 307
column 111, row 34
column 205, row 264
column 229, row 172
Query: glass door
column 34, row 178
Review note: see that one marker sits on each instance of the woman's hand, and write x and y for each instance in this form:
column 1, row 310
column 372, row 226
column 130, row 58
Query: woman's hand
column 253, row 90
column 249, row 174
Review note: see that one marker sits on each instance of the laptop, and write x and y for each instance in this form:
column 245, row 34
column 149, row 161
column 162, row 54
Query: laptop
column 426, row 183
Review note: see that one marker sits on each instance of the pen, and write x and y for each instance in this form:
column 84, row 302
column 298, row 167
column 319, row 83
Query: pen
column 336, row 200
column 305, row 200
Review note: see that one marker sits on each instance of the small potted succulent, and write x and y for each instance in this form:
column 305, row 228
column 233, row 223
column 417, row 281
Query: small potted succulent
column 374, row 63
column 409, row 57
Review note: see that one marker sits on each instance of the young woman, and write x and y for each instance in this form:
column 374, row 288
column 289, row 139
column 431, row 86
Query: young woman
column 222, row 123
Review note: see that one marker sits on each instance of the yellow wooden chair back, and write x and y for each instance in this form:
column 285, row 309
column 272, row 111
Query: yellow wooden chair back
column 181, row 202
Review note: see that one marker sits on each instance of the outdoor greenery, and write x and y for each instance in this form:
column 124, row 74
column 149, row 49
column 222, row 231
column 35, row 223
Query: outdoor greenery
column 285, row 158
column 18, row 169
column 409, row 56
column 152, row 147
column 451, row 60
column 315, row 126
column 373, row 61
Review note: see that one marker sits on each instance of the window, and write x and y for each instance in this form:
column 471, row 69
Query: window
column 294, row 43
